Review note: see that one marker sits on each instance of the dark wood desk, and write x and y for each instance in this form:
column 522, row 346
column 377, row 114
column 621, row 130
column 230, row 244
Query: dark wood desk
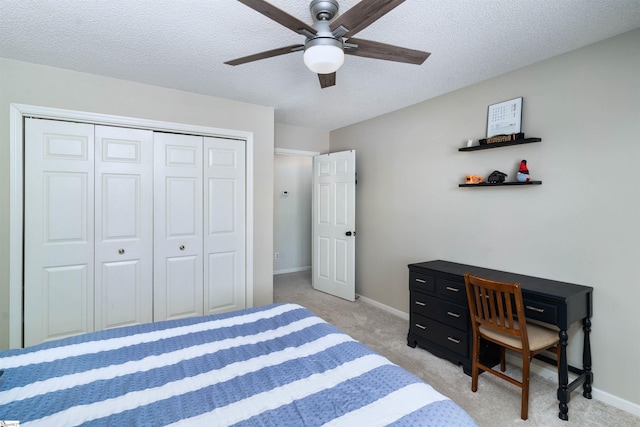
column 549, row 301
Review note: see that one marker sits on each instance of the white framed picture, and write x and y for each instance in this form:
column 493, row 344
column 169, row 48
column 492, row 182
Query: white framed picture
column 504, row 118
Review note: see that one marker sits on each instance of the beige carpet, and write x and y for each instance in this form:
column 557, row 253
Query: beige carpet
column 496, row 403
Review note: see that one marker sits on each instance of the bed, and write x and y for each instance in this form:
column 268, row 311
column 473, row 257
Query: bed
column 275, row 365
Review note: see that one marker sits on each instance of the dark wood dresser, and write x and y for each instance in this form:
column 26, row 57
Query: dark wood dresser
column 439, row 317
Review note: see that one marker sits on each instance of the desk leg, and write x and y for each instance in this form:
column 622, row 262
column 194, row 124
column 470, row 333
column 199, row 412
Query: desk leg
column 563, row 377
column 586, row 358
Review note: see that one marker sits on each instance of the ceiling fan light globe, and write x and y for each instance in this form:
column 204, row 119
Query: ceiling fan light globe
column 323, row 59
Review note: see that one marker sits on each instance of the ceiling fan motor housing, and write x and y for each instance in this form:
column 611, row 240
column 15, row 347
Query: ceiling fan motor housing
column 323, row 12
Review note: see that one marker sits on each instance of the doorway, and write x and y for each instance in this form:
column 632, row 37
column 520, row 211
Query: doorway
column 292, row 210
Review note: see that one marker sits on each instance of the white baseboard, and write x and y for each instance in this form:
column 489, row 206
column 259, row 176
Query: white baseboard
column 292, row 270
column 383, row 307
column 546, row 371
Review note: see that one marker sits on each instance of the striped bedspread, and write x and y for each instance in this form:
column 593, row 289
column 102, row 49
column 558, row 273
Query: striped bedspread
column 276, row 365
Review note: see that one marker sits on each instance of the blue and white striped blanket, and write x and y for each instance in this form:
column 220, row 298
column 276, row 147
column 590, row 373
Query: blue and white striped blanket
column 276, row 365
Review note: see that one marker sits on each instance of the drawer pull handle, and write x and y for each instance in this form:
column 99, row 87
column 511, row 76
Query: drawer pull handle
column 421, row 281
column 452, row 314
column 421, row 326
column 421, row 303
column 453, row 340
column 449, row 288
column 539, row 310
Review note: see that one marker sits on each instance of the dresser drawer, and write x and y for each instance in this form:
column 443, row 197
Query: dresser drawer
column 444, row 336
column 446, row 312
column 422, row 282
column 450, row 314
column 420, row 303
column 541, row 311
column 451, row 290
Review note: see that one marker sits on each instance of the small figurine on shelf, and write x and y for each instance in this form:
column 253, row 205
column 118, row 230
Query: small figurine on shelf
column 473, row 179
column 523, row 172
column 496, row 177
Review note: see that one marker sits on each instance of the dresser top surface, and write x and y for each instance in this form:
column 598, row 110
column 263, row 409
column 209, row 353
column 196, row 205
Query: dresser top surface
column 528, row 283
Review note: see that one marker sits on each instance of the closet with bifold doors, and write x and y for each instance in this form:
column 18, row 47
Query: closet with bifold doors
column 125, row 226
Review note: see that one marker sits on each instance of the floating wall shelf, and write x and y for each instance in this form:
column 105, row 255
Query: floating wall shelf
column 500, row 184
column 500, row 144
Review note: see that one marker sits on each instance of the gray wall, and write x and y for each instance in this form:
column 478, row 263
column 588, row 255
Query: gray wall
column 51, row 87
column 301, row 138
column 582, row 225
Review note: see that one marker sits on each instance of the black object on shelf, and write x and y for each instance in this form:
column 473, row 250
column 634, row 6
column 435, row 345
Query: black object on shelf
column 500, row 184
column 500, row 144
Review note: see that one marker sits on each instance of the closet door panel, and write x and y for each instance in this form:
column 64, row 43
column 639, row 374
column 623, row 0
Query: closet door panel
column 221, row 276
column 58, row 231
column 124, row 227
column 183, row 301
column 120, row 299
column 178, row 265
column 63, row 288
column 224, row 233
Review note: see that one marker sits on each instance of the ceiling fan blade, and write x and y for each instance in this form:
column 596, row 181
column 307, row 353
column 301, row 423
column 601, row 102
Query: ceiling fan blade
column 278, row 15
column 363, row 14
column 266, row 54
column 327, row 80
column 377, row 50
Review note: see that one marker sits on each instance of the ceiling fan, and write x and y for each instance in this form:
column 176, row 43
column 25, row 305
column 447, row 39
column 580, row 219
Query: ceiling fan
column 328, row 40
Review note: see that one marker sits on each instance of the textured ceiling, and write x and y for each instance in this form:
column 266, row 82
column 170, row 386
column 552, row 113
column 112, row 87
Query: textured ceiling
column 182, row 44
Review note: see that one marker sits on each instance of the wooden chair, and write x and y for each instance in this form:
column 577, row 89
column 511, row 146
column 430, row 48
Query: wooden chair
column 492, row 305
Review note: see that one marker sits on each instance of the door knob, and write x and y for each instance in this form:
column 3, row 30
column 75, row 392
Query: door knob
column 349, row 233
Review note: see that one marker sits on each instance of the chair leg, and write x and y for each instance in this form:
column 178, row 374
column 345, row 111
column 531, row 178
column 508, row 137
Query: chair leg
column 526, row 366
column 503, row 366
column 474, row 364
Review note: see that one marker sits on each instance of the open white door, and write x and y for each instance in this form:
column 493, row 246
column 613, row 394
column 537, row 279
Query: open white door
column 334, row 224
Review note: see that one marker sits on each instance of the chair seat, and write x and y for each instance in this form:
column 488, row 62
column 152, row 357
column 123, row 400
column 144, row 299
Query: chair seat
column 539, row 336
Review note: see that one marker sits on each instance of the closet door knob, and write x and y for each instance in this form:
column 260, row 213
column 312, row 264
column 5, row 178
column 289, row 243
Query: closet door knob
column 121, row 251
column 182, row 247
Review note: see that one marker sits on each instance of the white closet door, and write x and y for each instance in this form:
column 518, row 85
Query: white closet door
column 178, row 290
column 124, row 227
column 59, row 223
column 224, row 225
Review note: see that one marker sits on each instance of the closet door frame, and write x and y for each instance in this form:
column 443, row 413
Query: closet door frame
column 16, row 190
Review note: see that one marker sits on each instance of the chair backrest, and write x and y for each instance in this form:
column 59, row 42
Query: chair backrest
column 493, row 303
